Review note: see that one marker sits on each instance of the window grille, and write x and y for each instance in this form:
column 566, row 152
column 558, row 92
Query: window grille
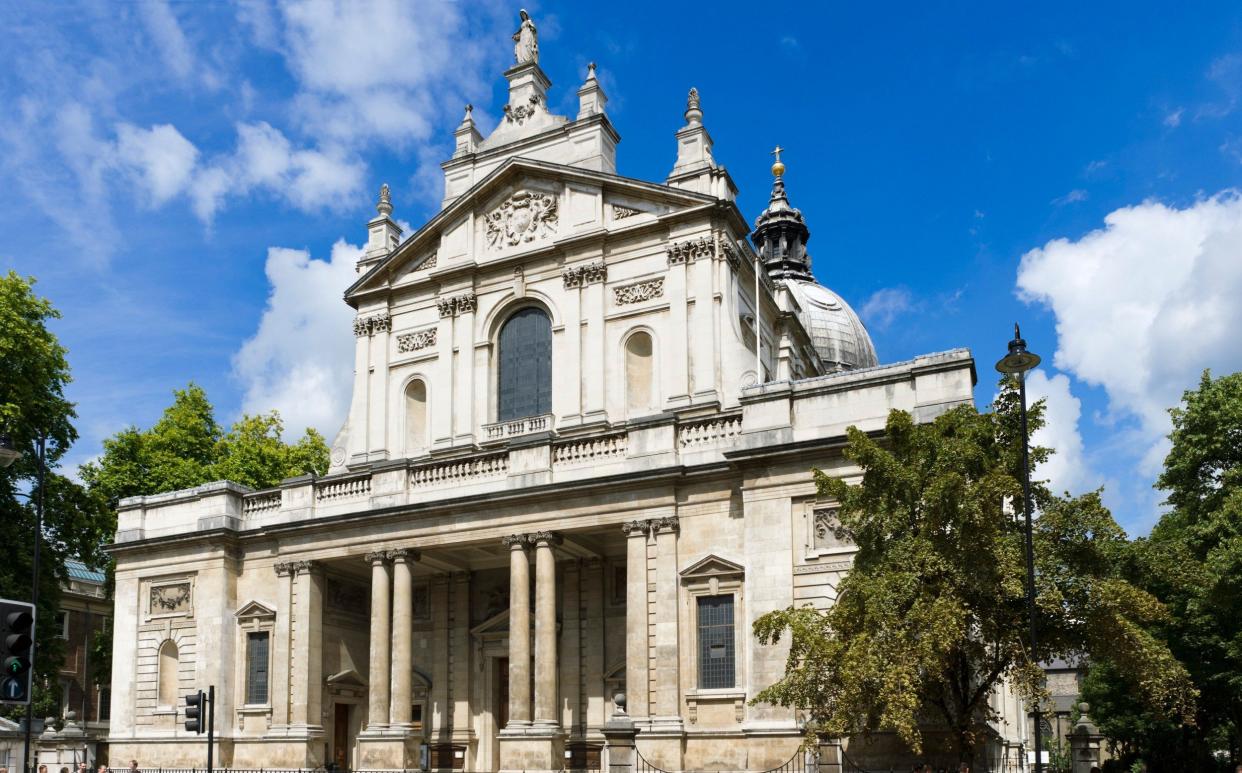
column 256, row 667
column 716, row 642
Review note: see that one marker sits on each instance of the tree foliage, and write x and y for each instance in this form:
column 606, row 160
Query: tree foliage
column 76, row 524
column 932, row 616
column 187, row 447
column 1192, row 561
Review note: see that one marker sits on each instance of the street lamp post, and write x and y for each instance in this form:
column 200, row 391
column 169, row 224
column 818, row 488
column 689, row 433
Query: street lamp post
column 1016, row 364
column 8, row 455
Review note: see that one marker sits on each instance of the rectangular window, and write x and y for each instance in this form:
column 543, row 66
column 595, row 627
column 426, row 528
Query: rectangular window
column 62, row 623
column 716, row 645
column 105, row 704
column 256, row 668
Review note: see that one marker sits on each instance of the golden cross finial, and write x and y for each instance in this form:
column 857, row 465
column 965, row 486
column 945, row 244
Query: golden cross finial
column 778, row 168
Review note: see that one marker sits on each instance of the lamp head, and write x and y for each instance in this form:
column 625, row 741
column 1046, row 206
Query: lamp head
column 1019, row 360
column 8, row 454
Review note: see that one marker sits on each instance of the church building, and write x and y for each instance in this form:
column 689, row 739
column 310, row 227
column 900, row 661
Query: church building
column 577, row 463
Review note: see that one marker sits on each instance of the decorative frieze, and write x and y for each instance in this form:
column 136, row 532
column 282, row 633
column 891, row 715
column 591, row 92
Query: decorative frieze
column 585, row 274
column 521, row 218
column 620, row 213
column 372, row 324
column 428, row 263
column 638, row 292
column 457, row 304
column 690, row 250
column 420, row 339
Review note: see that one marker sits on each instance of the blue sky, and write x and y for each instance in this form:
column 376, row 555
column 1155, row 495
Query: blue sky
column 190, row 182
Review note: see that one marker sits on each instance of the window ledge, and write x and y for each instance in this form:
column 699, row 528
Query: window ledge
column 724, row 694
column 164, row 710
column 254, row 709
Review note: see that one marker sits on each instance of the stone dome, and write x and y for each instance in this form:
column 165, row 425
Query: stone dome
column 835, row 329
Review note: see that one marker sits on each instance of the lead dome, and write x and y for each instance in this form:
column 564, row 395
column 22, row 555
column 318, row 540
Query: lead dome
column 780, row 238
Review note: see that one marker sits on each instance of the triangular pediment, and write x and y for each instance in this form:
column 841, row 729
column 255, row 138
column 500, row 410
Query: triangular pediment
column 347, row 678
column 254, row 610
column 527, row 205
column 712, row 566
column 497, row 623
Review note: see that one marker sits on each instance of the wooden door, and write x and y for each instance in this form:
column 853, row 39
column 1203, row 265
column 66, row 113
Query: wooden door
column 340, row 735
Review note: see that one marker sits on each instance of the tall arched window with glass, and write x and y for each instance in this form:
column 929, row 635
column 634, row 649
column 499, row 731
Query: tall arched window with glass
column 524, row 377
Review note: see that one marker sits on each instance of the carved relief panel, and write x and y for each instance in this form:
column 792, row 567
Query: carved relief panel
column 523, row 217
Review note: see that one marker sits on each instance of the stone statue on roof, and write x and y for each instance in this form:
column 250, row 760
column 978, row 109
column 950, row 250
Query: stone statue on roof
column 526, row 41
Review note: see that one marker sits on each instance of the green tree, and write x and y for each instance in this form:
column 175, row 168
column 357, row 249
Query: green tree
column 75, row 523
column 1192, row 561
column 932, row 616
column 187, row 447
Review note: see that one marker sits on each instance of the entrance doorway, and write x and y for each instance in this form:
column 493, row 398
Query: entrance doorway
column 500, row 704
column 340, row 735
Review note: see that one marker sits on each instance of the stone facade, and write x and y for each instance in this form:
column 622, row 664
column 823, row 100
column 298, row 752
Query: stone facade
column 483, row 570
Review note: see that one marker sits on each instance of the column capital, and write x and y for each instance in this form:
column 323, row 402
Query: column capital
column 544, row 538
column 376, row 557
column 514, row 541
column 294, row 568
column 665, row 525
column 403, row 555
column 635, row 528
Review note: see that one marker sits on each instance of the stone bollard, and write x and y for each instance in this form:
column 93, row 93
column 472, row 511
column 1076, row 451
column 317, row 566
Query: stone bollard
column 619, row 732
column 1084, row 742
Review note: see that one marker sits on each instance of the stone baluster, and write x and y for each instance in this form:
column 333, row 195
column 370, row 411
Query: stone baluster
column 381, row 641
column 402, row 636
column 519, row 631
column 545, row 628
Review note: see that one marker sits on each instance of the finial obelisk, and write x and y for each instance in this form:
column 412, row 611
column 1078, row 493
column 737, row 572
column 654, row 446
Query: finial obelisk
column 384, row 207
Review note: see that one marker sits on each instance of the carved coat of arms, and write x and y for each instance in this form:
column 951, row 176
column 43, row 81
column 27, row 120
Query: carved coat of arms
column 523, row 217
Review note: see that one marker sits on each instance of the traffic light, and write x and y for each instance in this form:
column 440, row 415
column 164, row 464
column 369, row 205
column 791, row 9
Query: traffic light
column 16, row 647
column 195, row 708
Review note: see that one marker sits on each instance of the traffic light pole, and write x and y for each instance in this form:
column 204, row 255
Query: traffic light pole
column 211, row 723
column 34, row 593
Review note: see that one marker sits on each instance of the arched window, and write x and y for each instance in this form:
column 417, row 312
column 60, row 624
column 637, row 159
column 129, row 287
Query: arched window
column 638, row 373
column 525, row 365
column 415, row 417
column 169, row 661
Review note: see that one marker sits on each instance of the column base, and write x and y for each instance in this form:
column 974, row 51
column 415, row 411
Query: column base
column 532, row 748
column 391, row 748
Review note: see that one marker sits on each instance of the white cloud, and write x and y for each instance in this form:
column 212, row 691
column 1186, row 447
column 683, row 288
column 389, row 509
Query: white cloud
column 169, row 40
column 1173, row 118
column 1144, row 304
column 1073, row 197
column 265, row 159
column 1067, row 469
column 885, row 305
column 161, row 159
column 299, row 362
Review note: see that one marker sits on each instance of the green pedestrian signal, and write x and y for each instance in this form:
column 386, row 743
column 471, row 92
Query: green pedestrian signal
column 17, row 632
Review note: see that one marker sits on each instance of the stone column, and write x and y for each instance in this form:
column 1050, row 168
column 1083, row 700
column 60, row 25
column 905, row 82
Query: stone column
column 402, row 636
column 282, row 644
column 519, row 631
column 545, row 628
column 636, row 617
column 381, row 642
